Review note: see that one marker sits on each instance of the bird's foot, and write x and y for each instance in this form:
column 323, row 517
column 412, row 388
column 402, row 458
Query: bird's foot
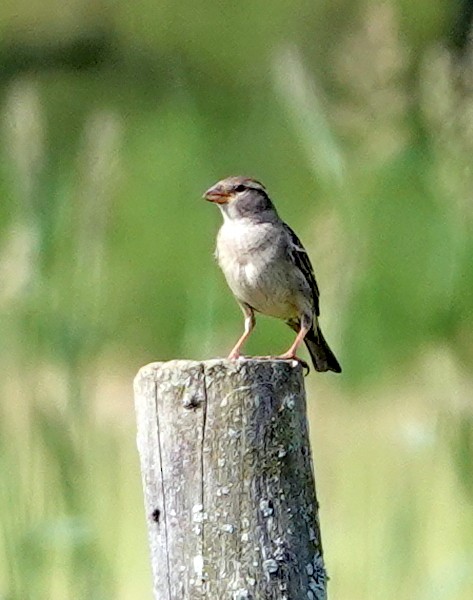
column 234, row 355
column 286, row 356
column 292, row 356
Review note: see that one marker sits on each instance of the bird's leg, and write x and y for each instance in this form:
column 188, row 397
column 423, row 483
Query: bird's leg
column 304, row 330
column 249, row 326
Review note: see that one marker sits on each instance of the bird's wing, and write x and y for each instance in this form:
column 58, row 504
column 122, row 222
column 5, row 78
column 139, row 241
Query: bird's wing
column 302, row 261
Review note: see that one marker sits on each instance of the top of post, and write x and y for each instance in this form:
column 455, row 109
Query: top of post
column 260, row 366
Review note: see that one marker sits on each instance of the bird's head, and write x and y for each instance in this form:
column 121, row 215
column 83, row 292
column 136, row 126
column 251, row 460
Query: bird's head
column 241, row 197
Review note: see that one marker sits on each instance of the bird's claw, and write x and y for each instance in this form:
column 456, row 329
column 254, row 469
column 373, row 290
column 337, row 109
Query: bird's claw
column 305, row 366
column 302, row 362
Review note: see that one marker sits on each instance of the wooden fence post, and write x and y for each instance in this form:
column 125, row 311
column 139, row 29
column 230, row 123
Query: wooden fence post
column 228, row 481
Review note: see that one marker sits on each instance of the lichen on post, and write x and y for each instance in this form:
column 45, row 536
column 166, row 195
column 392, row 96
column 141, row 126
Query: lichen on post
column 228, row 481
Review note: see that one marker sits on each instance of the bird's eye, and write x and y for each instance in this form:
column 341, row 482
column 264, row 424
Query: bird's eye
column 240, row 188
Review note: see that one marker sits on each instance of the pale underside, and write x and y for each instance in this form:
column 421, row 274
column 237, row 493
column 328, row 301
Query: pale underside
column 254, row 260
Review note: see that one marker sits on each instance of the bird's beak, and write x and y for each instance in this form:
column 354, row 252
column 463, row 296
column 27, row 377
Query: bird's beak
column 216, row 194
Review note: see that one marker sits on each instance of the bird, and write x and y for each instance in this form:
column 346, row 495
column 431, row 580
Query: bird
column 267, row 268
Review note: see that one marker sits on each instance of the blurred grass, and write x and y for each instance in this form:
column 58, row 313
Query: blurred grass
column 357, row 116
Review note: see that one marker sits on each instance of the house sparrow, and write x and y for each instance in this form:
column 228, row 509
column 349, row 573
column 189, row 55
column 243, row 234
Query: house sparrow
column 267, row 267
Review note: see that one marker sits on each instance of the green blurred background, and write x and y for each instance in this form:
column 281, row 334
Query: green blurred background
column 115, row 117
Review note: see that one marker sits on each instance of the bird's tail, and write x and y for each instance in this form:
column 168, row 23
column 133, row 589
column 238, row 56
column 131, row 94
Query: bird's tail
column 322, row 357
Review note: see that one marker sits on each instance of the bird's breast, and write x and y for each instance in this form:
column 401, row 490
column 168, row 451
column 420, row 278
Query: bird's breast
column 244, row 250
column 248, row 257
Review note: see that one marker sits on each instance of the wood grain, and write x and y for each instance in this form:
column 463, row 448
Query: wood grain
column 228, row 481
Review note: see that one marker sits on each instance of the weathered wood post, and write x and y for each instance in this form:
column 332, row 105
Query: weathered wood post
column 228, row 481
